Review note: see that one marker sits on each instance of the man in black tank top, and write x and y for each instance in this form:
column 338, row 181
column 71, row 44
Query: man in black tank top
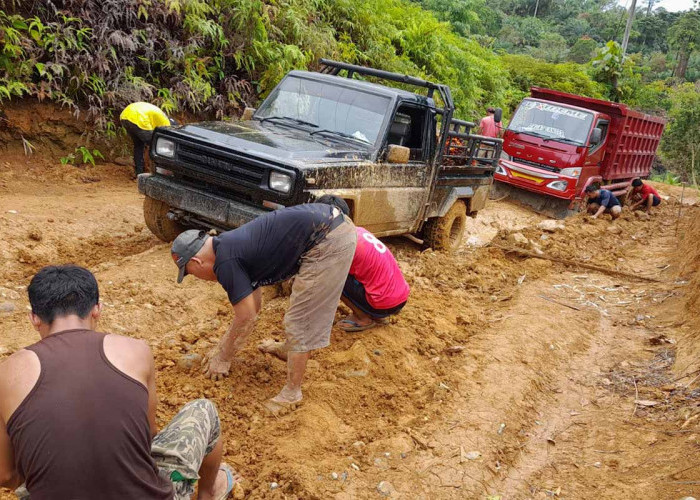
column 77, row 410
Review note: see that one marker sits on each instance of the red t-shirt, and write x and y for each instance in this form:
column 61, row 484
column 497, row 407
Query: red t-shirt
column 646, row 190
column 375, row 267
column 488, row 126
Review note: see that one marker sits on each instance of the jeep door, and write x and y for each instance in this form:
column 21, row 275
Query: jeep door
column 393, row 194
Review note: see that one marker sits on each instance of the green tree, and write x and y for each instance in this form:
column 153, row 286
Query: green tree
column 680, row 143
column 684, row 36
column 583, row 50
column 611, row 68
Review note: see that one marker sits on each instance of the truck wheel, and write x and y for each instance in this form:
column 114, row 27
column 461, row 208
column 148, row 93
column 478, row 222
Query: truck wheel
column 446, row 232
column 156, row 214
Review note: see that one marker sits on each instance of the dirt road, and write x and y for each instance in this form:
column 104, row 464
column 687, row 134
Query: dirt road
column 503, row 377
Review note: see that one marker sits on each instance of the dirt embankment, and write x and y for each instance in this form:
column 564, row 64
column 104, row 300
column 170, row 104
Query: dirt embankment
column 688, row 307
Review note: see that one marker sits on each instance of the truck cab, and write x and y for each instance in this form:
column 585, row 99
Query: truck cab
column 550, row 147
column 319, row 133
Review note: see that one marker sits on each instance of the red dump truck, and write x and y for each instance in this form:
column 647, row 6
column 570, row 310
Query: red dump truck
column 557, row 144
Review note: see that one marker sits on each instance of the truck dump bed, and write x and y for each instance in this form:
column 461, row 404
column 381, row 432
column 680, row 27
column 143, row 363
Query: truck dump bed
column 632, row 138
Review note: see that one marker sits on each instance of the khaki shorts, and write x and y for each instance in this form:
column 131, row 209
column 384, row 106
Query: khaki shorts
column 178, row 449
column 317, row 288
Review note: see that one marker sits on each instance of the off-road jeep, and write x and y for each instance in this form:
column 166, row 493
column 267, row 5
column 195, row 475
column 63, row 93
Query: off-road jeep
column 401, row 162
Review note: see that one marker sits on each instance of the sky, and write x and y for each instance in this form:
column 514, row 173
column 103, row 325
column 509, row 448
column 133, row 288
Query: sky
column 669, row 5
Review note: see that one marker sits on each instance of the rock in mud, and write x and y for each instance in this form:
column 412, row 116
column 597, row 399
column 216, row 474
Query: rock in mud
column 518, row 239
column 7, row 307
column 551, row 225
column 124, row 161
column 189, row 361
column 614, row 229
column 385, row 488
column 274, row 486
column 6, row 293
column 472, row 455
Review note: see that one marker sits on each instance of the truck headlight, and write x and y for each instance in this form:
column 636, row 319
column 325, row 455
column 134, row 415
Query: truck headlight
column 505, row 156
column 280, row 182
column 165, row 147
column 571, row 172
column 558, row 185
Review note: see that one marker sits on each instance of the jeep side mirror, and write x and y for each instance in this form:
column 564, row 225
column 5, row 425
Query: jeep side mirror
column 247, row 114
column 596, row 136
column 397, row 154
column 498, row 115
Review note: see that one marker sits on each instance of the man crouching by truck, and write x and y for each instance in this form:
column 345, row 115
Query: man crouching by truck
column 78, row 410
column 602, row 201
column 643, row 196
column 314, row 243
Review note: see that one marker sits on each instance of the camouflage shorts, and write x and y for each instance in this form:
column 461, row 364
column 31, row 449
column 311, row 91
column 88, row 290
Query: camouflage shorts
column 180, row 447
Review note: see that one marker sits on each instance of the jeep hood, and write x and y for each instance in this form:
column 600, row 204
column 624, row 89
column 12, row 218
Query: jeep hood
column 274, row 141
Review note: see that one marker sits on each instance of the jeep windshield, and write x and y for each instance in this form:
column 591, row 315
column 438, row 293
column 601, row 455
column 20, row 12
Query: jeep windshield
column 552, row 122
column 337, row 111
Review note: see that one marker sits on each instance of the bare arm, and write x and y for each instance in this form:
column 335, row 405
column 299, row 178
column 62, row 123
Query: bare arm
column 600, row 211
column 219, row 359
column 9, row 477
column 152, row 397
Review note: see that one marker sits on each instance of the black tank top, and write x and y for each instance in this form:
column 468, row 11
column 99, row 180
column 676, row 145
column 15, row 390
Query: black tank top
column 82, row 433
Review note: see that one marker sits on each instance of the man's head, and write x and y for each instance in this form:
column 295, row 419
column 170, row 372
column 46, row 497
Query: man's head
column 592, row 191
column 335, row 201
column 491, row 111
column 60, row 292
column 637, row 184
column 193, row 254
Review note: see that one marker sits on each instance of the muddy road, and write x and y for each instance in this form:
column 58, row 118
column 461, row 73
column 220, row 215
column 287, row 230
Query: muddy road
column 503, row 377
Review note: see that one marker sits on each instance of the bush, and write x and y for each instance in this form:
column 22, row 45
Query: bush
column 526, row 72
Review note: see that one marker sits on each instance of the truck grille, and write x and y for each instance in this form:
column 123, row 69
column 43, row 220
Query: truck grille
column 201, row 159
column 535, row 164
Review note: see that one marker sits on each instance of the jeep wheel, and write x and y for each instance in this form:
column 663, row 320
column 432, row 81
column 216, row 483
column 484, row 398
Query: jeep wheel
column 156, row 214
column 446, row 232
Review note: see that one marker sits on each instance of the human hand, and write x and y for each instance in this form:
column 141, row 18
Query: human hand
column 214, row 366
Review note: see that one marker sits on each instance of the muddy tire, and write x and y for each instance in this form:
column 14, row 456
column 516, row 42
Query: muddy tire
column 445, row 233
column 155, row 212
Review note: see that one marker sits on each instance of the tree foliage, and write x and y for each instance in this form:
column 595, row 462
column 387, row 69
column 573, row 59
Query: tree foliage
column 681, row 140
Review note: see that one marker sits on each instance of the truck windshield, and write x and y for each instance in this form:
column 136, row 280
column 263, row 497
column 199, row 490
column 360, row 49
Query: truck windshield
column 551, row 121
column 350, row 114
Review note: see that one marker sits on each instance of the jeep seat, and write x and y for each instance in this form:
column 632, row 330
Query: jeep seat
column 400, row 129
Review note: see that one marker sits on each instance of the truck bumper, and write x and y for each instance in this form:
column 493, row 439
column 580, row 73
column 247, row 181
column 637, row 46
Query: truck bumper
column 536, row 180
column 206, row 207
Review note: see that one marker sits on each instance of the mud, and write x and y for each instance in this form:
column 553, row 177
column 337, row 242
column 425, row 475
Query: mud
column 479, row 387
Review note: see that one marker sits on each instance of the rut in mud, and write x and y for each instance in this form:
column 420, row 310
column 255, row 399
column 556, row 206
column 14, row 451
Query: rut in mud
column 502, row 376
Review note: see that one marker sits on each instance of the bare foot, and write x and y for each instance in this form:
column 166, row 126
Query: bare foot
column 353, row 323
column 221, row 486
column 274, row 348
column 285, row 402
column 280, row 409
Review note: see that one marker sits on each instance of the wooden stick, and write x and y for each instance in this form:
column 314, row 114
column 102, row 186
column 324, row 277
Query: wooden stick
column 558, row 302
column 584, row 265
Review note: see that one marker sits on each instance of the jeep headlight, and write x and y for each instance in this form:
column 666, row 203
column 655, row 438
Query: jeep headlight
column 165, row 147
column 280, row 182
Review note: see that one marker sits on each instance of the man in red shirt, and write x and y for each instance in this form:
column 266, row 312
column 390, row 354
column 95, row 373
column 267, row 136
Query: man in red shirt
column 375, row 287
column 643, row 195
column 487, row 125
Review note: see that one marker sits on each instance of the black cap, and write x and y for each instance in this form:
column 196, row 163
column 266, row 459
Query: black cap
column 186, row 246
